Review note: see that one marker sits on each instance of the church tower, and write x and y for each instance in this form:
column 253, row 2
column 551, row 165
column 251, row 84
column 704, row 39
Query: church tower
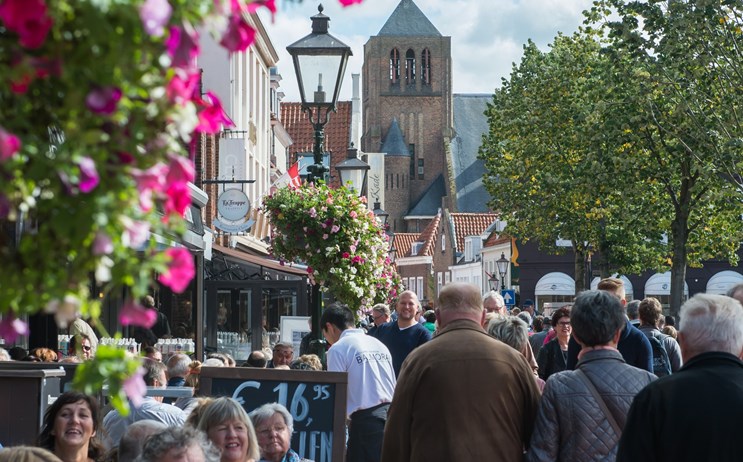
column 407, row 103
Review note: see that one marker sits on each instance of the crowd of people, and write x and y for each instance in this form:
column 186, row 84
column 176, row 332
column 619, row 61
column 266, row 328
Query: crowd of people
column 600, row 379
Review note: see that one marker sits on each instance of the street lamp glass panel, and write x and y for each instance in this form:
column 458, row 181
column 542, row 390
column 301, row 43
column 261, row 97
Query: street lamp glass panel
column 319, row 77
column 380, row 214
column 355, row 176
column 502, row 263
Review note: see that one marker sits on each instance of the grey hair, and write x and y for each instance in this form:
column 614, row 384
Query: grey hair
column 4, row 355
column 213, row 362
column 712, row 323
column 223, row 409
column 179, row 365
column 510, row 330
column 381, row 308
column 133, row 439
column 495, row 296
column 265, row 412
column 737, row 289
column 158, row 445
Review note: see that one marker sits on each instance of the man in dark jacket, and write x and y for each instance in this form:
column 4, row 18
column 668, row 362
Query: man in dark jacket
column 694, row 414
column 633, row 344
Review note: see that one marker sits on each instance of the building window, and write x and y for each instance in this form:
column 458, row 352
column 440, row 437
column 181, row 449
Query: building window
column 443, row 243
column 420, row 169
column 394, row 66
column 440, row 282
column 446, row 278
column 419, row 287
column 411, row 150
column 410, row 67
column 426, row 67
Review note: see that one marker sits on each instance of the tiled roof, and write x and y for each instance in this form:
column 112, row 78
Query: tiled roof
column 470, row 123
column 469, row 224
column 403, row 242
column 337, row 133
column 408, row 20
column 429, row 236
column 495, row 239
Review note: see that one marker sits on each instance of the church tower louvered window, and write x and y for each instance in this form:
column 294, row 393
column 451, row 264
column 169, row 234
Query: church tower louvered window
column 426, row 67
column 410, row 67
column 394, row 66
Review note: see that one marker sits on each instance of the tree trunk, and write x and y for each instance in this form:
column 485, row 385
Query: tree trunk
column 679, row 231
column 580, row 269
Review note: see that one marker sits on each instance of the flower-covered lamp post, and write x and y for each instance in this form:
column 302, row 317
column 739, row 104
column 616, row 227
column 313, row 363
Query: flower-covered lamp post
column 320, row 63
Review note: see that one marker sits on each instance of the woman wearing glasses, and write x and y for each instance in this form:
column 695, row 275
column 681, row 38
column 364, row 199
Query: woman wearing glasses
column 274, row 426
column 553, row 357
column 228, row 427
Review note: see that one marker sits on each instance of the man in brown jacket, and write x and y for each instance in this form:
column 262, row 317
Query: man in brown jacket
column 463, row 395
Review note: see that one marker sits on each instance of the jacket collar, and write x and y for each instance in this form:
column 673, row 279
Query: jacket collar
column 597, row 355
column 461, row 324
column 716, row 357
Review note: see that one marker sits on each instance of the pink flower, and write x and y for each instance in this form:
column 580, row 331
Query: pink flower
column 136, row 233
column 335, row 229
column 183, row 46
column 313, row 214
column 11, row 328
column 325, row 236
column 178, row 198
column 155, row 15
column 213, row 116
column 346, row 3
column 180, row 271
column 134, row 314
column 103, row 100
column 102, row 244
column 255, row 4
column 353, row 214
column 346, row 254
column 135, row 388
column 152, row 179
column 28, row 19
column 9, row 145
column 239, row 35
column 181, row 170
column 183, row 86
column 88, row 175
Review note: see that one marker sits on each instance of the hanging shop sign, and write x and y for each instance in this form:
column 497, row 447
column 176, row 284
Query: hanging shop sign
column 233, row 207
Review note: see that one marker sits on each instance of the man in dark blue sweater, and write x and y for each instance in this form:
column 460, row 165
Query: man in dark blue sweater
column 633, row 344
column 404, row 335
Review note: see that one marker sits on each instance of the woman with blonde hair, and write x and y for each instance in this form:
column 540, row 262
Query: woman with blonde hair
column 228, row 427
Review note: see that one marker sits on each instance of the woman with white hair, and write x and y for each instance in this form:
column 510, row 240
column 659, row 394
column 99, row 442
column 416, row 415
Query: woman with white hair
column 274, row 426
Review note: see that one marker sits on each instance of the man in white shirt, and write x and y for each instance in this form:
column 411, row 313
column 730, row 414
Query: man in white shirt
column 371, row 381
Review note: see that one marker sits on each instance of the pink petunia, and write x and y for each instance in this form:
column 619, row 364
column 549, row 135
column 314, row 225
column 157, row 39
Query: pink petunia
column 212, row 117
column 346, row 3
column 313, row 213
column 180, row 269
column 135, row 388
column 335, row 229
column 11, row 328
column 136, row 233
column 103, row 100
column 88, row 175
column 9, row 145
column 178, row 198
column 134, row 314
column 239, row 35
column 183, row 46
column 102, row 244
column 183, row 87
column 181, row 170
column 353, row 214
column 155, row 15
column 152, row 179
column 28, row 19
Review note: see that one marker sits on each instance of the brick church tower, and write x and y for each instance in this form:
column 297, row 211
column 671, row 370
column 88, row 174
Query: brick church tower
column 407, row 109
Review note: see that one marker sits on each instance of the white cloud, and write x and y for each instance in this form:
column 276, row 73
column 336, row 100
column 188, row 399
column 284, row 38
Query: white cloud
column 487, row 35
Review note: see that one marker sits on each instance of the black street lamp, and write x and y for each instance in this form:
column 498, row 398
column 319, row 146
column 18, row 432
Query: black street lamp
column 353, row 170
column 502, row 263
column 381, row 215
column 319, row 62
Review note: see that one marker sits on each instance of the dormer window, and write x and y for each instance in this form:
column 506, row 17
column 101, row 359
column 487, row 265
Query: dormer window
column 415, row 248
column 426, row 67
column 410, row 67
column 394, row 66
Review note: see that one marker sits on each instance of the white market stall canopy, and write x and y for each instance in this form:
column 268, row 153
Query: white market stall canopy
column 555, row 284
column 721, row 282
column 660, row 284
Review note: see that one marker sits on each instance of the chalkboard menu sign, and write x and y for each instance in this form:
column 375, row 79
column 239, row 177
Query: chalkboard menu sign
column 315, row 399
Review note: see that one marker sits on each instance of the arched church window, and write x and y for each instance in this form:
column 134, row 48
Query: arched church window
column 410, row 66
column 394, row 66
column 426, row 67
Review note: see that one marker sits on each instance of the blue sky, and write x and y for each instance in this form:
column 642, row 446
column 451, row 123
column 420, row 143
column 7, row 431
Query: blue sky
column 487, row 35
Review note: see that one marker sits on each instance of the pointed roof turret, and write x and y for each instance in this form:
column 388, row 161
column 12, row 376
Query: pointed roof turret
column 394, row 144
column 409, row 20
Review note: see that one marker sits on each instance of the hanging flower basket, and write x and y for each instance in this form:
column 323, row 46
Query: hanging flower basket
column 334, row 233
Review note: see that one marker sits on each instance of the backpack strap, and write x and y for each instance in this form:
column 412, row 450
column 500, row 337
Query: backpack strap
column 602, row 404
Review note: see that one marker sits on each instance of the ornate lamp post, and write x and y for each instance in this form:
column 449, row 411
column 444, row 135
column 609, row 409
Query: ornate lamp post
column 502, row 263
column 353, row 170
column 320, row 63
column 381, row 215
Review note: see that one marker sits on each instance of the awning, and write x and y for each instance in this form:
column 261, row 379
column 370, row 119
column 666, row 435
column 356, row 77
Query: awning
column 555, row 284
column 261, row 262
column 660, row 284
column 721, row 282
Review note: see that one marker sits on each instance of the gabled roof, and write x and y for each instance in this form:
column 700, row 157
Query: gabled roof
column 394, row 143
column 409, row 20
column 429, row 236
column 430, row 202
column 337, row 132
column 469, row 224
column 470, row 123
column 496, row 239
column 403, row 243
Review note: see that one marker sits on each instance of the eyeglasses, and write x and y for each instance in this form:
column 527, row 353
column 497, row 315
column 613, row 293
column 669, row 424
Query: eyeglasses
column 270, row 430
column 564, row 323
column 378, row 316
column 86, row 348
